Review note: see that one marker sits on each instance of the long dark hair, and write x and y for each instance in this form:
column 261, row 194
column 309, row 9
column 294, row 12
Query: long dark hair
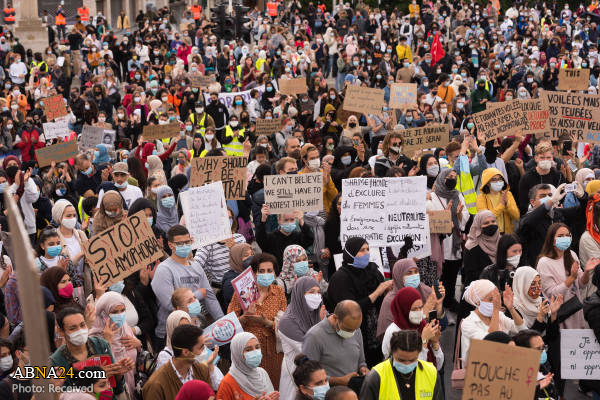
column 505, row 242
column 135, row 170
column 548, row 249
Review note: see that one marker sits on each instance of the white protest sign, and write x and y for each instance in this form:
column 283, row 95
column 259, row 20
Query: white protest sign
column 205, row 213
column 287, row 193
column 223, row 330
column 227, row 98
column 385, row 210
column 57, row 129
column 579, row 354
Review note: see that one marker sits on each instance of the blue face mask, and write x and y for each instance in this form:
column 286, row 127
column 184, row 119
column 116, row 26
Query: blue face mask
column 319, row 392
column 188, row 128
column 288, row 228
column 59, row 192
column 412, row 281
column 121, row 185
column 265, row 280
column 147, row 166
column 53, row 251
column 238, row 102
column 562, row 243
column 88, row 171
column 269, row 89
column 118, row 319
column 183, row 250
column 194, row 308
column 405, row 368
column 543, row 357
column 168, row 202
column 362, row 261
column 96, row 154
column 470, row 125
column 253, row 358
column 301, row 268
column 150, row 220
column 3, row 186
column 117, row 287
column 154, row 152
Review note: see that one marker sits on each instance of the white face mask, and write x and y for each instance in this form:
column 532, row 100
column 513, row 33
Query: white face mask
column 545, row 164
column 69, row 223
column 209, row 137
column 497, row 186
column 415, row 317
column 514, row 260
column 314, row 164
column 6, row 363
column 78, row 338
column 313, row 300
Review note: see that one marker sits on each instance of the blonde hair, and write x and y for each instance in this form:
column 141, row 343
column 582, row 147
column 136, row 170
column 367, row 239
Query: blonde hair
column 543, row 147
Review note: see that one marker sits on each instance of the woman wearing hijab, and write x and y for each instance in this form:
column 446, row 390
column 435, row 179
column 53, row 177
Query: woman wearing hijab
column 429, row 167
column 295, row 265
column 583, row 177
column 527, row 288
column 481, row 246
column 195, row 390
column 409, row 311
column 305, row 310
column 424, row 86
column 176, row 318
column 406, row 274
column 123, row 343
column 359, row 279
column 446, row 197
column 154, row 166
column 240, row 257
column 110, row 212
column 346, row 159
column 166, row 216
column 245, row 380
column 487, row 316
column 59, row 283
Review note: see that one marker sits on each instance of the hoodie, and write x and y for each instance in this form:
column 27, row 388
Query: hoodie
column 506, row 214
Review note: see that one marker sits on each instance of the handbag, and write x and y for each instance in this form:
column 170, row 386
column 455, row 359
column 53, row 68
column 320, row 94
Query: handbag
column 458, row 373
column 568, row 308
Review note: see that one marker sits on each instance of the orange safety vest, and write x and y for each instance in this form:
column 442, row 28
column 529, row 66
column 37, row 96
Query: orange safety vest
column 272, row 9
column 9, row 15
column 60, row 19
column 84, row 13
column 197, row 11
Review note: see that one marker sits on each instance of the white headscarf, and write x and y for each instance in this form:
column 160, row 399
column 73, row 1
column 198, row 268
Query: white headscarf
column 527, row 307
column 253, row 381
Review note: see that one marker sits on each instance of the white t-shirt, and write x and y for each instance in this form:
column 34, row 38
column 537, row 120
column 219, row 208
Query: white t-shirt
column 130, row 194
column 73, row 245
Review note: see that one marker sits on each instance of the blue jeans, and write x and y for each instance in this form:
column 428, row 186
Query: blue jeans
column 339, row 81
column 329, row 65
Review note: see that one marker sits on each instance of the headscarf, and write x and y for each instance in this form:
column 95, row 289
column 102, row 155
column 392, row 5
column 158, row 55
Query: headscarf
column 477, row 290
column 400, row 269
column 489, row 244
column 165, row 217
column 423, row 169
column 401, row 304
column 103, row 157
column 50, row 279
column 195, row 390
column 173, row 321
column 593, row 186
column 59, row 209
column 235, row 256
column 351, row 248
column 155, row 168
column 528, row 307
column 298, row 317
column 103, row 306
column 290, row 256
column 422, row 88
column 102, row 221
column 582, row 175
column 253, row 381
column 449, row 194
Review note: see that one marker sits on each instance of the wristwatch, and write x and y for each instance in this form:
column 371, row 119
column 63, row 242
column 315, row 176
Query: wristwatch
column 425, row 342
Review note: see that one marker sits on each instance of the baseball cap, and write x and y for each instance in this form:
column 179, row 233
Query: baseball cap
column 121, row 167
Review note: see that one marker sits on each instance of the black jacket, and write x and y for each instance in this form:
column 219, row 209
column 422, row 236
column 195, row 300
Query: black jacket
column 276, row 242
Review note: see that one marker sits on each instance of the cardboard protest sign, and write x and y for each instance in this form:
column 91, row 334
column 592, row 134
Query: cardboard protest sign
column 268, row 126
column 364, row 100
column 579, row 351
column 201, row 81
column 231, row 171
column 427, row 137
column 505, row 119
column 54, row 107
column 205, row 213
column 500, row 371
column 91, row 136
column 57, row 152
column 537, row 113
column 223, row 330
column 292, row 87
column 573, row 79
column 403, row 95
column 573, row 116
column 55, row 130
column 246, row 288
column 386, row 210
column 440, row 221
column 122, row 249
column 287, row 193
column 343, row 115
column 154, row 132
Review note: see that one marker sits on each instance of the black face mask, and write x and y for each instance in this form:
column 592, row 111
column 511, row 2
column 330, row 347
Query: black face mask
column 489, row 230
column 450, row 183
column 352, row 124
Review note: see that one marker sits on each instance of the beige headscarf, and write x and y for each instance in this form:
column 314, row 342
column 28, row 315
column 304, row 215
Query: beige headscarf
column 110, row 199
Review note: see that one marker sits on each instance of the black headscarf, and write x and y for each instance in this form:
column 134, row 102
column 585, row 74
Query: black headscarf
column 423, row 169
column 141, row 204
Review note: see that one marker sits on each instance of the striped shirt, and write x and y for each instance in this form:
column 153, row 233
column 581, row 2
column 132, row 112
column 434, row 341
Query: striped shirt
column 214, row 259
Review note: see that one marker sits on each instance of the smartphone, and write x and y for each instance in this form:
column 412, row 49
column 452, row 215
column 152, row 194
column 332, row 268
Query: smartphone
column 436, row 287
column 432, row 316
column 356, row 142
column 567, row 147
column 570, row 187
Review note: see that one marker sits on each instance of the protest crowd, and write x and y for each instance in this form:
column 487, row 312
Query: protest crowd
column 308, row 206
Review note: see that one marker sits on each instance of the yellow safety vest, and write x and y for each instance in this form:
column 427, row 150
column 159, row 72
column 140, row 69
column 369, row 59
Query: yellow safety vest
column 464, row 184
column 235, row 147
column 39, row 66
column 426, row 376
column 259, row 64
column 200, row 125
column 82, row 215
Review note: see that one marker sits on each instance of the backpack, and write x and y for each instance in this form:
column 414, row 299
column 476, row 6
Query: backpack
column 145, row 365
